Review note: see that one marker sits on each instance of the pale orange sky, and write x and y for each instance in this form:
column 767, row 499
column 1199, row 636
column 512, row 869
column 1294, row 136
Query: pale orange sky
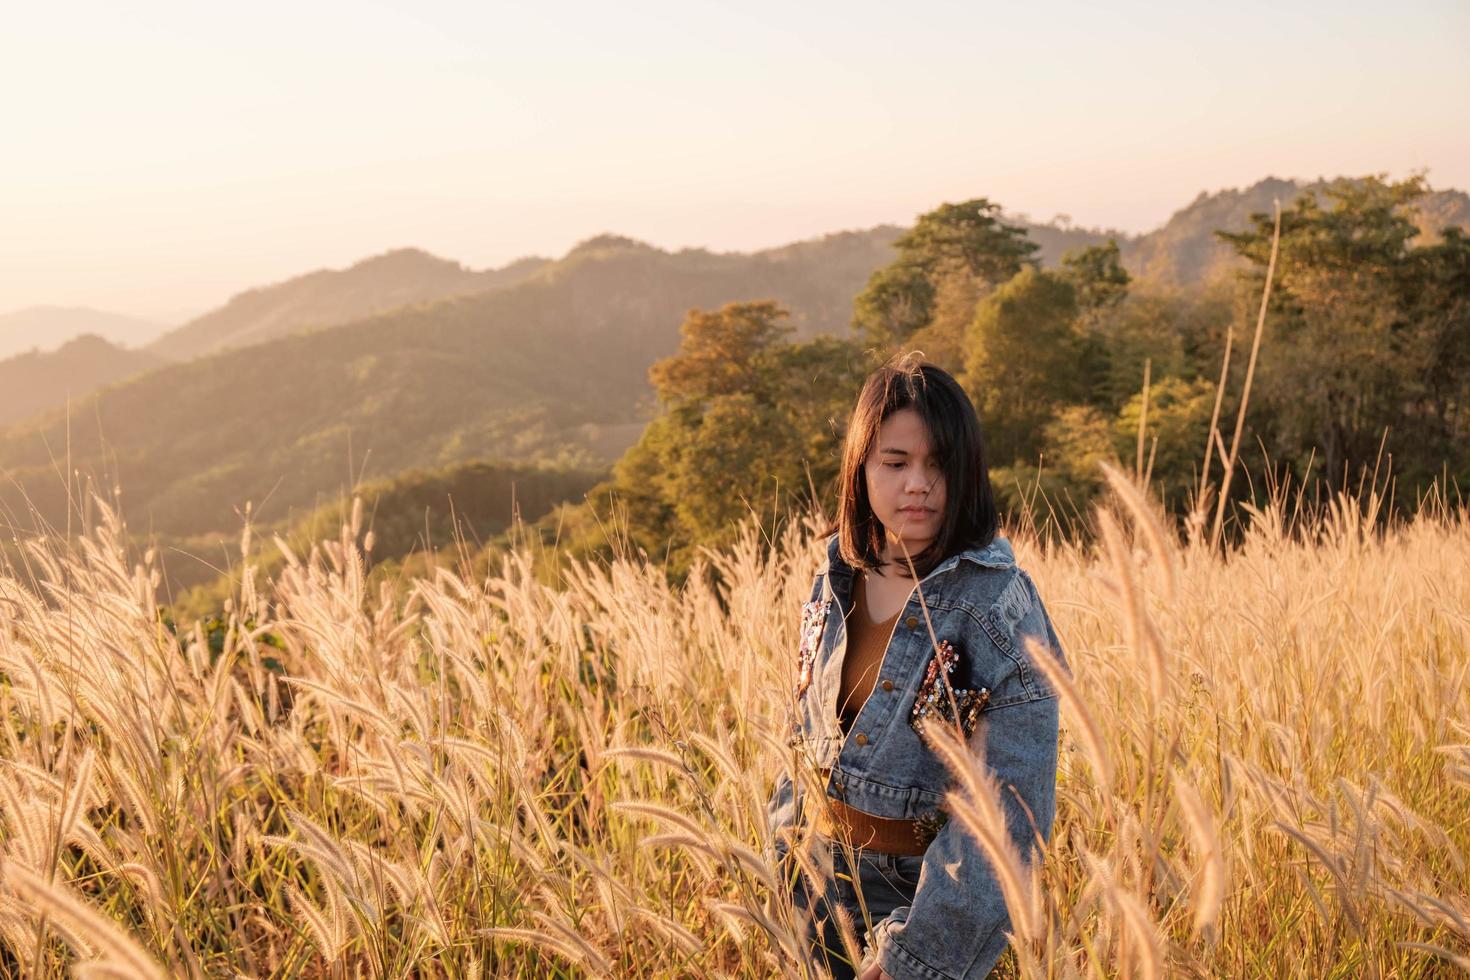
column 160, row 157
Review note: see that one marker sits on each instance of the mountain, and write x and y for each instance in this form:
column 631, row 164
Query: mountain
column 1185, row 250
column 552, row 369
column 36, row 381
column 329, row 297
column 48, row 327
column 396, row 279
column 542, row 361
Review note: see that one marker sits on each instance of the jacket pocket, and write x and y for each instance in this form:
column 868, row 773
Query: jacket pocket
column 933, row 702
column 813, row 623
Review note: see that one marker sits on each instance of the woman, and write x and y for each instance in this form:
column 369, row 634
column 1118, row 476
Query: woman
column 898, row 656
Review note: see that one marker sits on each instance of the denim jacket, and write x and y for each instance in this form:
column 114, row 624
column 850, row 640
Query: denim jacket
column 982, row 606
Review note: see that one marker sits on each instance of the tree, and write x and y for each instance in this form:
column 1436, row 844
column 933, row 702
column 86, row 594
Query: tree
column 1144, row 328
column 1077, row 441
column 1178, row 424
column 1440, row 306
column 1344, row 343
column 968, row 238
column 898, row 301
column 750, row 422
column 952, row 256
column 1021, row 366
column 719, row 353
column 1097, row 274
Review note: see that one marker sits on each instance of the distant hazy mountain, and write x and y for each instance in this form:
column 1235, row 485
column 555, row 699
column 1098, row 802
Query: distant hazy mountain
column 36, row 381
column 328, row 297
column 48, row 327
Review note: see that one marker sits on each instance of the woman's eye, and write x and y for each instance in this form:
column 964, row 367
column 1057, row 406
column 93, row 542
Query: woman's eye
column 894, row 466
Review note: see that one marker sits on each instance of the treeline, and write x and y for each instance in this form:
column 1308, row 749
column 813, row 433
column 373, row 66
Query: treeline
column 1364, row 363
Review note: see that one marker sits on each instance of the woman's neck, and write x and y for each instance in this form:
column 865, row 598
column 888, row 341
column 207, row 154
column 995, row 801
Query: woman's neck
column 893, row 555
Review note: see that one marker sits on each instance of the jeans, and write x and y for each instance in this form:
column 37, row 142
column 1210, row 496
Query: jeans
column 882, row 883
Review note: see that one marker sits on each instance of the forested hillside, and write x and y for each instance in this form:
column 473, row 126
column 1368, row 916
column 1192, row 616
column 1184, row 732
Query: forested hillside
column 457, row 510
column 1182, row 253
column 1186, row 251
column 1051, row 327
column 39, row 380
column 553, row 369
column 1362, row 380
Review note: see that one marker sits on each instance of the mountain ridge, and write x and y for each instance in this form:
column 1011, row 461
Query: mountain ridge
column 44, row 328
column 548, row 366
column 37, row 381
column 326, row 297
column 545, row 370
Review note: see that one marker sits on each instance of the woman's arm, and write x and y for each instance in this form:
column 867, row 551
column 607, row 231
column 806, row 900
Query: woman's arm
column 956, row 927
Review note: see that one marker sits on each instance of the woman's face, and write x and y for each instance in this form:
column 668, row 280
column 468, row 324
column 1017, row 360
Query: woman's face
column 905, row 483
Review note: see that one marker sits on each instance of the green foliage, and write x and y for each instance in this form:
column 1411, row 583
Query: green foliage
column 899, row 300
column 962, row 249
column 1055, row 361
column 1023, row 350
column 753, row 423
column 414, row 511
column 1078, row 439
column 1368, row 335
column 722, row 353
column 1440, row 395
column 1097, row 275
column 1365, row 331
column 1142, row 328
column 1178, row 425
column 968, row 238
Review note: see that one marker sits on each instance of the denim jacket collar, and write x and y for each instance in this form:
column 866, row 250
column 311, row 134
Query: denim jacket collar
column 996, row 554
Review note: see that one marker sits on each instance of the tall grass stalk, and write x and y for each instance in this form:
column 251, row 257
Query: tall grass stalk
column 1265, row 763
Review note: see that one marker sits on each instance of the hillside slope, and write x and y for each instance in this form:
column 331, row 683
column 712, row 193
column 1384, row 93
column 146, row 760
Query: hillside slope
column 328, row 297
column 553, row 369
column 36, row 381
column 549, row 368
column 415, row 512
column 1185, row 251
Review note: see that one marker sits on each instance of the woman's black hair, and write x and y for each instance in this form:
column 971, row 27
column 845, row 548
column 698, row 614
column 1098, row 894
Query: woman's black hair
column 970, row 518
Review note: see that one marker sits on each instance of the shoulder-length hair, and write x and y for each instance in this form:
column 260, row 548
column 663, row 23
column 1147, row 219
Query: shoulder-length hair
column 970, row 519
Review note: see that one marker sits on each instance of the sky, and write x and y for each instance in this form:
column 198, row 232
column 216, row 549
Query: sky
column 156, row 157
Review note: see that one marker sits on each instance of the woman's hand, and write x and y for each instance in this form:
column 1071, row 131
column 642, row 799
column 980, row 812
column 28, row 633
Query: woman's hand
column 874, row 972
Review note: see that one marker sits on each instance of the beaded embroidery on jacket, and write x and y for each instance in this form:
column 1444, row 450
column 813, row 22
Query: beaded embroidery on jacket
column 939, row 700
column 813, row 622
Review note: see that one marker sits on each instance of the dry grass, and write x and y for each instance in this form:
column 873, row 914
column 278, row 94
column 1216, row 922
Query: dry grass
column 1265, row 768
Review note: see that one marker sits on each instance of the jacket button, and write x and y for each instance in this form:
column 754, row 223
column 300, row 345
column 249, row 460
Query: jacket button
column 861, row 739
column 887, row 684
column 911, row 622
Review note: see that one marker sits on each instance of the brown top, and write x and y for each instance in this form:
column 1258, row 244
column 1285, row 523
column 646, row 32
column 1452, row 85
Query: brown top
column 866, row 643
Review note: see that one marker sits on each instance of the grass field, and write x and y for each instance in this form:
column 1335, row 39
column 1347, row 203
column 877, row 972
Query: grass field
column 1264, row 771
